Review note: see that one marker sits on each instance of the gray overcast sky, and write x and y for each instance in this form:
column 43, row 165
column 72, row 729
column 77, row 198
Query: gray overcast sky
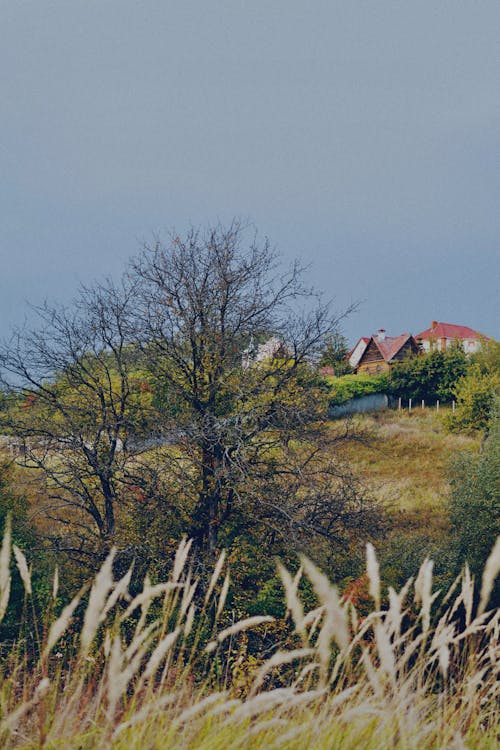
column 362, row 136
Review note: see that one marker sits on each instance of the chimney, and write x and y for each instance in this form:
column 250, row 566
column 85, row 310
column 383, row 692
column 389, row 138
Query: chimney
column 433, row 324
column 381, row 334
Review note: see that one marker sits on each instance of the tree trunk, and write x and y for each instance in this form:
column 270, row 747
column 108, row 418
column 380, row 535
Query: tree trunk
column 205, row 526
column 109, row 511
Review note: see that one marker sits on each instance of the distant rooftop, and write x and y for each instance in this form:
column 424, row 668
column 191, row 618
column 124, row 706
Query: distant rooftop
column 389, row 346
column 439, row 330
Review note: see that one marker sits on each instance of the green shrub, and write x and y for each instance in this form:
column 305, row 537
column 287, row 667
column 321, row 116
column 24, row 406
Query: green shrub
column 475, row 395
column 354, row 386
column 474, row 506
column 24, row 535
column 429, row 376
column 335, row 355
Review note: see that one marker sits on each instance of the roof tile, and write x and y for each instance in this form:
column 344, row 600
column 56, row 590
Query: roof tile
column 450, row 331
column 391, row 345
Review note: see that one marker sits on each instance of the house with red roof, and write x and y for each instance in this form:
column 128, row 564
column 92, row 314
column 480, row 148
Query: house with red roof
column 382, row 351
column 442, row 335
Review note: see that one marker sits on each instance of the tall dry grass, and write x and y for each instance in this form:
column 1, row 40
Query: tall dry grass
column 151, row 670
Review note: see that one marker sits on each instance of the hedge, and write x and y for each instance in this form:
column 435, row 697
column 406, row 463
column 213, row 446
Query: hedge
column 354, row 386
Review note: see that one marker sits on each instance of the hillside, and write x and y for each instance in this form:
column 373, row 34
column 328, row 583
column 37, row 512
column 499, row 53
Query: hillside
column 405, row 457
column 404, row 462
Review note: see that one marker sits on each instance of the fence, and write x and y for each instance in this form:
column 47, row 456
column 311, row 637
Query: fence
column 379, row 401
column 414, row 404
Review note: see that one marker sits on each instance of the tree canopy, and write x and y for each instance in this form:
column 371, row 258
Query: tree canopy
column 250, row 421
column 185, row 399
column 429, row 376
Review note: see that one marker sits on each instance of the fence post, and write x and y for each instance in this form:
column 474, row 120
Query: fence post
column 423, row 404
column 399, row 403
column 409, row 404
column 453, row 406
column 437, row 405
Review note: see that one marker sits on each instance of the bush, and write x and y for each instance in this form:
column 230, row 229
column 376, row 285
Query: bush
column 335, row 355
column 474, row 506
column 354, row 386
column 431, row 376
column 475, row 395
column 488, row 357
column 14, row 506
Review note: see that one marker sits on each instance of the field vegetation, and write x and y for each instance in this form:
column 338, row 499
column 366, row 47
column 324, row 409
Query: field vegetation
column 168, row 666
column 232, row 567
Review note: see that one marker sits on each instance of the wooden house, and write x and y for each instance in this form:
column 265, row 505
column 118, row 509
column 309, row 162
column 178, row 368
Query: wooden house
column 381, row 352
column 355, row 354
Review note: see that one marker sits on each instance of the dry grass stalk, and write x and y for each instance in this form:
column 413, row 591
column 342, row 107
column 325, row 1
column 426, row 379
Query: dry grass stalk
column 119, row 591
column 5, row 568
column 11, row 721
column 181, row 558
column 293, row 603
column 223, row 595
column 159, row 654
column 491, row 571
column 156, row 706
column 372, row 568
column 22, row 567
column 95, row 612
column 280, row 658
column 393, row 679
column 249, row 622
column 215, row 575
column 146, row 596
column 335, row 621
column 59, row 627
column 55, row 583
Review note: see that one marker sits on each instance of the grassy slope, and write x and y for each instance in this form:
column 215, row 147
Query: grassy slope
column 405, row 463
column 392, row 704
column 406, row 457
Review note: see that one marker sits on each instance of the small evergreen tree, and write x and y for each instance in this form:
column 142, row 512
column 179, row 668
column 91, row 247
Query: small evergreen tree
column 335, row 353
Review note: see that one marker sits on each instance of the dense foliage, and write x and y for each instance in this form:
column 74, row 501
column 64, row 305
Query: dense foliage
column 335, row 355
column 475, row 395
column 14, row 513
column 341, row 389
column 429, row 377
column 184, row 401
column 476, row 392
column 474, row 505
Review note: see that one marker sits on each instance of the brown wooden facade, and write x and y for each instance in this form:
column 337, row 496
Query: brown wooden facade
column 378, row 358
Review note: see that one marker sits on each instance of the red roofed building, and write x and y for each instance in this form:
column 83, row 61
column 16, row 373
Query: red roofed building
column 381, row 352
column 442, row 335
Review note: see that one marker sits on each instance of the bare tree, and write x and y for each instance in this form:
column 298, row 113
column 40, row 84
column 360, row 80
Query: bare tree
column 231, row 340
column 185, row 399
column 73, row 404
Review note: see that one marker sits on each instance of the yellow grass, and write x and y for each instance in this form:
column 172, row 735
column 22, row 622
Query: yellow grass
column 419, row 672
column 406, row 459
